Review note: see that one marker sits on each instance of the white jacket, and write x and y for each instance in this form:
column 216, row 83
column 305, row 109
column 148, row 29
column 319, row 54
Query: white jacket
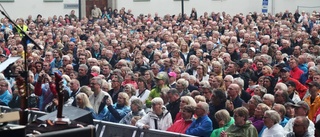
column 163, row 124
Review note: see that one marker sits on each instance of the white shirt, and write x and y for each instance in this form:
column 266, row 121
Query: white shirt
column 95, row 101
column 275, row 131
column 144, row 96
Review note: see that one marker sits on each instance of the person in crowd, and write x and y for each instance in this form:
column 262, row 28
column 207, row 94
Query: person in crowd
column 271, row 120
column 119, row 109
column 225, row 121
column 82, row 101
column 159, row 118
column 313, row 100
column 137, row 112
column 202, row 126
column 257, row 119
column 300, row 109
column 184, row 100
column 282, row 112
column 116, row 81
column 293, row 94
column 218, row 102
column 300, row 128
column 5, row 96
column 181, row 125
column 252, row 104
column 174, row 102
column 98, row 98
column 142, row 92
column 162, row 82
column 242, row 126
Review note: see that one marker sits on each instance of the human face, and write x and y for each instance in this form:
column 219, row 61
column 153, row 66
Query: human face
column 3, row 86
column 147, row 76
column 258, row 111
column 227, row 82
column 298, row 127
column 134, row 108
column 94, row 85
column 207, row 93
column 267, row 121
column 79, row 101
column 257, row 91
column 186, row 115
column 290, row 111
column 74, row 86
column 266, row 83
column 82, row 71
column 232, row 91
column 199, row 110
column 157, row 108
column 115, row 83
column 299, row 111
column 238, row 120
column 121, row 100
column 200, row 70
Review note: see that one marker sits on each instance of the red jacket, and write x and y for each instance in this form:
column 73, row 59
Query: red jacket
column 38, row 90
column 296, row 73
column 299, row 87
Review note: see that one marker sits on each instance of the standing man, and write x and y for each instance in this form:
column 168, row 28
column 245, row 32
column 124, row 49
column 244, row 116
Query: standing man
column 96, row 12
column 96, row 99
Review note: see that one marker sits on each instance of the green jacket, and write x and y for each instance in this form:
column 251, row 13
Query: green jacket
column 247, row 130
column 155, row 92
column 216, row 132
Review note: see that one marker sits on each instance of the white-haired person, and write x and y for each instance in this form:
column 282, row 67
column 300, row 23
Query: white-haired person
column 271, row 120
column 137, row 112
column 225, row 121
column 202, row 126
column 119, row 109
column 158, row 118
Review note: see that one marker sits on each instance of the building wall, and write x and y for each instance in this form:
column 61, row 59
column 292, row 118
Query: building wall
column 23, row 8
column 230, row 6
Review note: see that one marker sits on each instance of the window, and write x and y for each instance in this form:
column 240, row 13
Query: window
column 6, row 0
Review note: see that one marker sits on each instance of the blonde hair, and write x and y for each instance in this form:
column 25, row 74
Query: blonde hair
column 85, row 100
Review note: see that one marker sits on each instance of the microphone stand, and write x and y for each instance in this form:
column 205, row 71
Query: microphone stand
column 24, row 74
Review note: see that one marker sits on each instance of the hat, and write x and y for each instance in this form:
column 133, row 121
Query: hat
column 172, row 74
column 280, row 65
column 302, row 104
column 3, row 55
column 313, row 83
column 290, row 83
column 253, row 49
column 255, row 27
column 73, row 40
column 289, row 104
column 161, row 76
column 285, row 69
column 150, row 46
column 205, row 84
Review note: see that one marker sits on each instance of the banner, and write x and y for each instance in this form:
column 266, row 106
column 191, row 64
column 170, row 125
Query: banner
column 265, row 6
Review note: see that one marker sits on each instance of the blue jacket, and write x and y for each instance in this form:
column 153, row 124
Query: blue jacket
column 116, row 113
column 5, row 98
column 202, row 127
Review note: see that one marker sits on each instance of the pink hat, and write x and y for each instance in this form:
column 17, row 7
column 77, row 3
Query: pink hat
column 172, row 74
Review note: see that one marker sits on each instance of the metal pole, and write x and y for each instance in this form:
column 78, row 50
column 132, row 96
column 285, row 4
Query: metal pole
column 79, row 9
column 182, row 9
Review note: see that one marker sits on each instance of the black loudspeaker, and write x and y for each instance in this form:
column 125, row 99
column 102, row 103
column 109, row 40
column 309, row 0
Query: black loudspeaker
column 88, row 131
column 73, row 113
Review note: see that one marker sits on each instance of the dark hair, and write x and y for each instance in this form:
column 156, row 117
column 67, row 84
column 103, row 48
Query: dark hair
column 143, row 80
column 220, row 94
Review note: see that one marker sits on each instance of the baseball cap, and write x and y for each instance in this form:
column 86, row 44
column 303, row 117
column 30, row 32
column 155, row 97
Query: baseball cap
column 313, row 83
column 150, row 46
column 172, row 74
column 161, row 76
column 280, row 65
column 290, row 83
column 3, row 55
column 285, row 69
column 253, row 49
column 302, row 104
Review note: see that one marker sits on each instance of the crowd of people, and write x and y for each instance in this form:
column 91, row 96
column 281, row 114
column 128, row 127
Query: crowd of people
column 212, row 75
